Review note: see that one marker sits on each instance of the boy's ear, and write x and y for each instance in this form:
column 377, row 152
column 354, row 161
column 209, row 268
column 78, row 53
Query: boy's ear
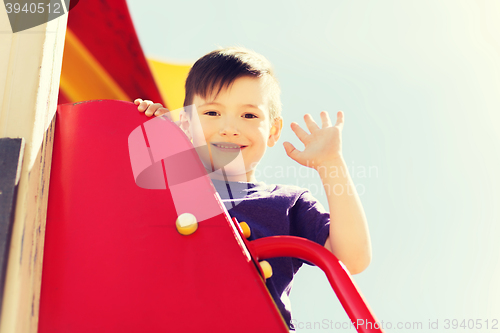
column 185, row 124
column 275, row 132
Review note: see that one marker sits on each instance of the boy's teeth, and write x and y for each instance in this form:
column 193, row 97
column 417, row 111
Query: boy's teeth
column 230, row 147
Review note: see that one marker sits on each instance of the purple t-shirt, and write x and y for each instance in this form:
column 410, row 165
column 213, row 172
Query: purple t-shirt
column 272, row 210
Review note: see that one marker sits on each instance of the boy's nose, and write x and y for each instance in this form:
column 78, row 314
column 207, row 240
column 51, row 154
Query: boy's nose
column 229, row 129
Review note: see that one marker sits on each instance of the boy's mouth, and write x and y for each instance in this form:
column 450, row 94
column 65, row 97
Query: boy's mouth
column 227, row 146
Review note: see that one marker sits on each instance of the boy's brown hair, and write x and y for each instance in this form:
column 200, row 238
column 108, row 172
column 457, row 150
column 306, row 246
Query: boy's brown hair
column 220, row 68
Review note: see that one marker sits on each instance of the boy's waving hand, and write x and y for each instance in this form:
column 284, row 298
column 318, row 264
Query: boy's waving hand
column 322, row 146
column 349, row 238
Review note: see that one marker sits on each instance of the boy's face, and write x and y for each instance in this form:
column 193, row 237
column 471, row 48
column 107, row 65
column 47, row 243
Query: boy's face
column 238, row 117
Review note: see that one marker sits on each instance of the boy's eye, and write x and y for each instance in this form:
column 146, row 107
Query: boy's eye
column 215, row 113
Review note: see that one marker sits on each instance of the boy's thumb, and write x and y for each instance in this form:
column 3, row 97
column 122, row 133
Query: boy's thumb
column 289, row 148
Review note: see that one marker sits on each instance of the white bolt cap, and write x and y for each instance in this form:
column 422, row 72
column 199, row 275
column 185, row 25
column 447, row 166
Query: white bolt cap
column 186, row 219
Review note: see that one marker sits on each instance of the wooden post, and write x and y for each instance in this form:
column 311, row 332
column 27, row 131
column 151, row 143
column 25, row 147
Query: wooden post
column 30, row 69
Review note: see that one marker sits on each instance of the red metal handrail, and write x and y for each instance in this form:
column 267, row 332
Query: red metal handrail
column 344, row 287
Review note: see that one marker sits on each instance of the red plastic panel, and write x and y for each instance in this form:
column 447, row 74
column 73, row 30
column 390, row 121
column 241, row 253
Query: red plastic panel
column 114, row 261
column 155, row 163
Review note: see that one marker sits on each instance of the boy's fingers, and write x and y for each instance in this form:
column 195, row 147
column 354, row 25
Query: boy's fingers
column 137, row 101
column 290, row 149
column 340, row 119
column 150, row 110
column 161, row 111
column 152, row 107
column 311, row 124
column 325, row 119
column 144, row 106
column 299, row 131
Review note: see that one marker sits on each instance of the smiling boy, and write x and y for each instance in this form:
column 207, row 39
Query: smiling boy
column 237, row 117
column 237, row 109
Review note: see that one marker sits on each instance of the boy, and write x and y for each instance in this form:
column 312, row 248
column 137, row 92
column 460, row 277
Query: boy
column 237, row 108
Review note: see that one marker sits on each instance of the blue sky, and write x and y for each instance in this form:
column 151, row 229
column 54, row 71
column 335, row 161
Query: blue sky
column 419, row 84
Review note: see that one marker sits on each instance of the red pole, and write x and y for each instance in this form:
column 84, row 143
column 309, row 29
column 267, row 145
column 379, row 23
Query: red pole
column 345, row 289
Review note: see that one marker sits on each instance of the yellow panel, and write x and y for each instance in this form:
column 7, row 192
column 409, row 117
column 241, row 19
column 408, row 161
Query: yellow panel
column 170, row 79
column 83, row 78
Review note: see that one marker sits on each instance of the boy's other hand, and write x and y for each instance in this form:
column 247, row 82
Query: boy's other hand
column 322, row 145
column 149, row 108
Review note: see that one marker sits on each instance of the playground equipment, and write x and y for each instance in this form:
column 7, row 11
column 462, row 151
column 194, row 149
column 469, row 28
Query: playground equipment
column 126, row 258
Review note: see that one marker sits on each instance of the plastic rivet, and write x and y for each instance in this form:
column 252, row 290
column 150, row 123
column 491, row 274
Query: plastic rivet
column 186, row 224
column 266, row 269
column 246, row 229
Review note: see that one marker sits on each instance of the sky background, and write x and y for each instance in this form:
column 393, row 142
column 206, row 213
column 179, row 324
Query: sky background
column 419, row 84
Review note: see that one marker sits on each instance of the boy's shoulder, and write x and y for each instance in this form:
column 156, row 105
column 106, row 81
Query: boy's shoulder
column 291, row 189
column 292, row 195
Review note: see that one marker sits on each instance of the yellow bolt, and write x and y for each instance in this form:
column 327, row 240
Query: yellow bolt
column 186, row 224
column 266, row 268
column 246, row 229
